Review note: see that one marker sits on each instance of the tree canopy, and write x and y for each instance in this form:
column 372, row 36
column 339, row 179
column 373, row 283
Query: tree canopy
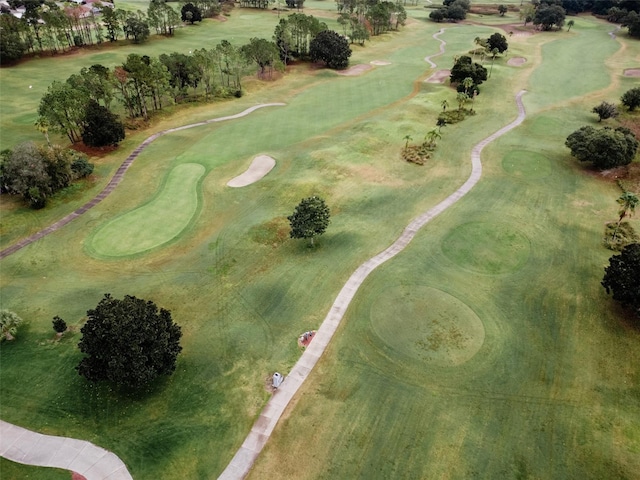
column 464, row 68
column 331, row 48
column 190, row 13
column 622, row 277
column 498, row 42
column 101, row 127
column 605, row 110
column 128, row 342
column 310, row 218
column 605, row 147
column 631, row 98
column 9, row 323
column 549, row 16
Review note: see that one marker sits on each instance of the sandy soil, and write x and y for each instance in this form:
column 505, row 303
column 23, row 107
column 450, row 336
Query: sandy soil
column 632, row 72
column 355, row 70
column 380, row 62
column 439, row 77
column 516, row 61
column 260, row 166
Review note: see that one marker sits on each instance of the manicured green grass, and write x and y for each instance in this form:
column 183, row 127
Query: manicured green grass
column 516, row 369
column 155, row 223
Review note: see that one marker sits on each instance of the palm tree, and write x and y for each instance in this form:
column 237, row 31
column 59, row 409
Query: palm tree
column 42, row 124
column 9, row 322
column 461, row 98
column 432, row 136
column 628, row 203
column 570, row 24
column 467, row 83
column 494, row 54
column 408, row 138
column 444, row 104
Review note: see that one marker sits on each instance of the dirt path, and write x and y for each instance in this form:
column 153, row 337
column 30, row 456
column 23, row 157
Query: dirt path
column 117, row 178
column 246, row 456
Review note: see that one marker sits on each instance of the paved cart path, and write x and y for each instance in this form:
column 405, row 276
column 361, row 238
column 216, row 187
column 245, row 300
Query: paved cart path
column 32, row 448
column 246, row 456
column 117, row 178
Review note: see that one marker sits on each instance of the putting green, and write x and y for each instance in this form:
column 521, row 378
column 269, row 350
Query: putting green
column 156, row 222
column 526, row 164
column 427, row 324
column 487, row 247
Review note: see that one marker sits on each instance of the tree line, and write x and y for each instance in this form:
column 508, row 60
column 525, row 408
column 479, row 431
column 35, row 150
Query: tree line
column 47, row 26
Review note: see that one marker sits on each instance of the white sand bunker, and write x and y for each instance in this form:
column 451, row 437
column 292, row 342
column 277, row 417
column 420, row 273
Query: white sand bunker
column 439, row 77
column 355, row 70
column 516, row 61
column 260, row 166
column 632, row 72
column 380, row 62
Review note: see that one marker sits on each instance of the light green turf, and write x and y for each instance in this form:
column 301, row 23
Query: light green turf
column 155, row 223
column 547, row 394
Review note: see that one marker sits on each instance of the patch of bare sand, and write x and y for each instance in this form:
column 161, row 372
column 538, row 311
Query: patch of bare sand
column 355, row 70
column 380, row 62
column 260, row 166
column 632, row 72
column 516, row 61
column 439, row 77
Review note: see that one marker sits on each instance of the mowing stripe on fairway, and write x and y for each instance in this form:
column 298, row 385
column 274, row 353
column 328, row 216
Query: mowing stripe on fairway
column 156, row 222
column 247, row 454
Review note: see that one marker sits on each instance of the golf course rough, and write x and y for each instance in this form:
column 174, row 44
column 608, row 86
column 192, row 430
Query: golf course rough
column 427, row 324
column 155, row 223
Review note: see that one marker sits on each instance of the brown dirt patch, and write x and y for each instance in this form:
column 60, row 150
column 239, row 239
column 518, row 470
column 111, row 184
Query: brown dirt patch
column 518, row 29
column 92, row 151
column 516, row 61
column 305, row 339
column 77, row 476
column 439, row 77
column 632, row 72
column 355, row 70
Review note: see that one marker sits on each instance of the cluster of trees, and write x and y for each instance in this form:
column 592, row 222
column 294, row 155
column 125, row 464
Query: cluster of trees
column 37, row 172
column 606, row 147
column 452, row 10
column 360, row 19
column 603, row 147
column 304, row 37
column 47, row 26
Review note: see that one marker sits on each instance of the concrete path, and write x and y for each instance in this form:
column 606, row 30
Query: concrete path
column 248, row 453
column 442, row 45
column 31, row 448
column 117, row 178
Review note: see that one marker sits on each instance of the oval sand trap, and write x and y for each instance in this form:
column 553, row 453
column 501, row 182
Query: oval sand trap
column 260, row 166
column 427, row 324
column 380, row 62
column 516, row 61
column 439, row 77
column 632, row 72
column 155, row 223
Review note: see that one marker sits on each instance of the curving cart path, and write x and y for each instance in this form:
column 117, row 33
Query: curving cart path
column 246, row 456
column 442, row 45
column 117, row 178
column 31, row 448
